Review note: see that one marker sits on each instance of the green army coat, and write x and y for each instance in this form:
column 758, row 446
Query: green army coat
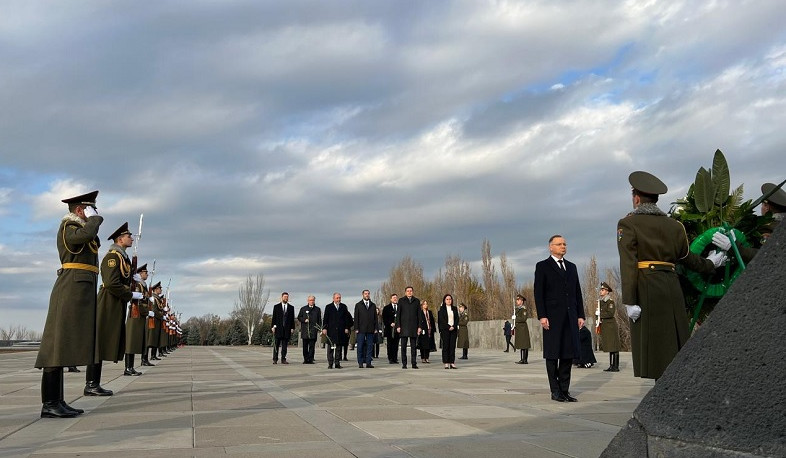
column 70, row 323
column 521, row 340
column 136, row 328
column 462, row 340
column 154, row 333
column 649, row 236
column 113, row 295
column 609, row 331
column 163, row 336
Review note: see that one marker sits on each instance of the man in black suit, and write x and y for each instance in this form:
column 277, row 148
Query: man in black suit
column 365, row 329
column 407, row 322
column 283, row 327
column 561, row 313
column 391, row 335
column 335, row 325
column 310, row 318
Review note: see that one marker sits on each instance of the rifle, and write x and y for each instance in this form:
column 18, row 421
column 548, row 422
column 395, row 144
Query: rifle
column 131, row 280
column 597, row 323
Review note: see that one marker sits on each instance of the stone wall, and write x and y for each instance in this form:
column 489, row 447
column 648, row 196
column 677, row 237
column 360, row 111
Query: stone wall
column 489, row 335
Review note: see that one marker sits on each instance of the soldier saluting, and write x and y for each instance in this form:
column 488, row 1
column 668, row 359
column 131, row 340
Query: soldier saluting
column 68, row 333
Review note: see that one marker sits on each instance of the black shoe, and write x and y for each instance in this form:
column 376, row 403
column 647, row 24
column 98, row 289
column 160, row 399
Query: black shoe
column 568, row 397
column 128, row 372
column 283, row 361
column 414, row 366
column 275, row 362
column 369, row 366
column 360, row 366
column 505, row 351
column 392, row 362
column 94, row 389
column 68, row 407
column 615, row 369
column 148, row 363
column 330, row 366
column 403, row 366
column 520, row 362
column 338, row 366
column 73, row 369
column 53, row 409
column 557, row 396
column 155, row 358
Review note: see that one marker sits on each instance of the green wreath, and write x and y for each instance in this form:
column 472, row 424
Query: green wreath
column 698, row 246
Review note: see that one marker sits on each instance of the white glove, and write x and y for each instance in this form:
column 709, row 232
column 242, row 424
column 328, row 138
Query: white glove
column 136, row 295
column 513, row 317
column 718, row 258
column 597, row 313
column 90, row 211
column 137, row 278
column 634, row 312
column 151, row 314
column 721, row 241
column 151, row 299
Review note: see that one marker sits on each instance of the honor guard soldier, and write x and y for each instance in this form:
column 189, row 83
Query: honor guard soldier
column 113, row 295
column 68, row 336
column 163, row 336
column 136, row 331
column 154, row 322
column 609, row 331
column 650, row 244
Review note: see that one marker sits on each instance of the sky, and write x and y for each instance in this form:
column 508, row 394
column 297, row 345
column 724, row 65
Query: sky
column 318, row 143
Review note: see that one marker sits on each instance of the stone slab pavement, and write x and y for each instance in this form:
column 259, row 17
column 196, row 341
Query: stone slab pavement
column 216, row 401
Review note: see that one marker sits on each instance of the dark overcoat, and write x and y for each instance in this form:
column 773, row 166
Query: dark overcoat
column 558, row 298
column 646, row 239
column 113, row 295
column 136, row 330
column 336, row 321
column 154, row 331
column 428, row 329
column 609, row 331
column 463, row 330
column 408, row 316
column 69, row 330
column 388, row 318
column 314, row 316
column 366, row 318
column 521, row 340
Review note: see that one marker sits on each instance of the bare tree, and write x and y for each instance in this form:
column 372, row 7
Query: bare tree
column 508, row 288
column 251, row 303
column 490, row 282
column 406, row 273
column 590, row 292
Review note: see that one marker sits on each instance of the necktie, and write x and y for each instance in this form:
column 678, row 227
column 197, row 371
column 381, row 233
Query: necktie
column 561, row 264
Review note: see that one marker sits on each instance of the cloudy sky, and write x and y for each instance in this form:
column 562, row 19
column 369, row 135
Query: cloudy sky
column 320, row 142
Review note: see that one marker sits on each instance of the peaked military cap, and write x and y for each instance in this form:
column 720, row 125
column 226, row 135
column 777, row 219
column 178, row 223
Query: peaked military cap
column 84, row 199
column 647, row 183
column 606, row 286
column 778, row 197
column 157, row 285
column 120, row 231
column 142, row 268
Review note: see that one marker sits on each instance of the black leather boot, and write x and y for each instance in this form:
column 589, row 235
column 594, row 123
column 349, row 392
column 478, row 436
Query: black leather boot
column 526, row 355
column 153, row 354
column 616, row 363
column 93, row 382
column 464, row 353
column 129, row 370
column 611, row 363
column 51, row 385
column 61, row 396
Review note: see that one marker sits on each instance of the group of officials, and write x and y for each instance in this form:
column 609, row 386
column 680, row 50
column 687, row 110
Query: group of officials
column 407, row 324
column 84, row 329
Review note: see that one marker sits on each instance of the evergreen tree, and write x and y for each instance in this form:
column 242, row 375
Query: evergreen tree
column 193, row 337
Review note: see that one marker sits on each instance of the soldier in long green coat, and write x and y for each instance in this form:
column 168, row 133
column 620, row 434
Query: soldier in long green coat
column 136, row 331
column 650, row 244
column 113, row 295
column 154, row 316
column 609, row 331
column 68, row 333
column 462, row 341
column 522, row 341
column 163, row 336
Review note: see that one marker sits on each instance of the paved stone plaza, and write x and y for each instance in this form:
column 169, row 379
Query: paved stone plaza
column 213, row 401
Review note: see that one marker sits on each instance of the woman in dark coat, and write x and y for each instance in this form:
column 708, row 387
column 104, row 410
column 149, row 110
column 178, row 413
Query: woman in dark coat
column 448, row 319
column 587, row 359
column 426, row 337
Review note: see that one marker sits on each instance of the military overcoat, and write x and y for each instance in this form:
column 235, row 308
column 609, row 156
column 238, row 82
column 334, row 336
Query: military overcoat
column 113, row 295
column 522, row 340
column 67, row 339
column 609, row 331
column 463, row 330
column 136, row 328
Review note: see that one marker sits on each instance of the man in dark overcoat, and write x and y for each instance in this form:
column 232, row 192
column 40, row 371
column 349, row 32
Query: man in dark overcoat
column 336, row 323
column 283, row 327
column 561, row 313
column 68, row 336
column 310, row 318
column 389, row 313
column 407, row 322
